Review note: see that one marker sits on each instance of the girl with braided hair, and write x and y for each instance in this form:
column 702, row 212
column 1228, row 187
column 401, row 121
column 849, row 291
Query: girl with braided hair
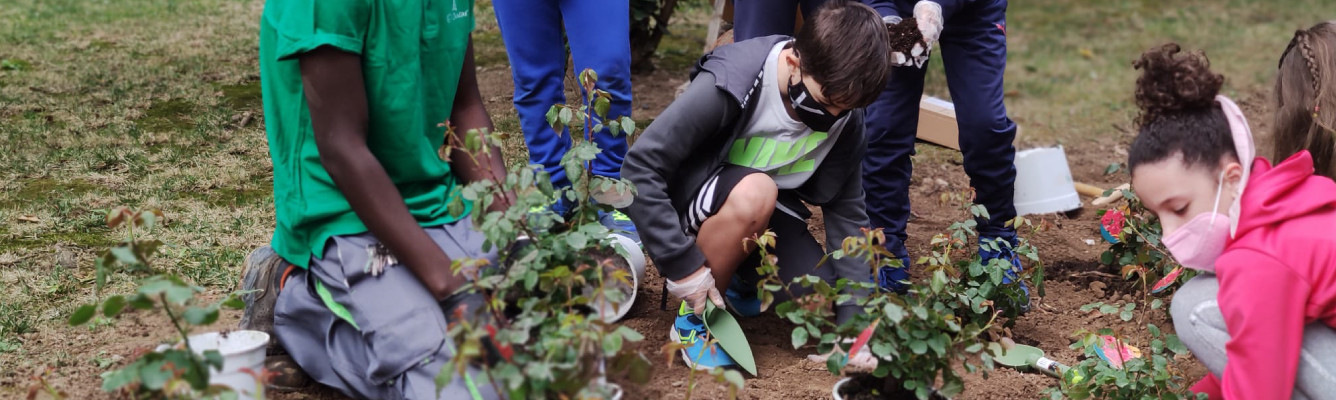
column 1266, row 302
column 1304, row 99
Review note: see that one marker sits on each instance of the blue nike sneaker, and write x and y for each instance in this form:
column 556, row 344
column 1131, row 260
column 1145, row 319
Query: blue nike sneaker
column 742, row 298
column 1006, row 250
column 619, row 223
column 892, row 279
column 689, row 329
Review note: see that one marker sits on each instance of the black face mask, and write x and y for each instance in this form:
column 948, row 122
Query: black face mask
column 810, row 111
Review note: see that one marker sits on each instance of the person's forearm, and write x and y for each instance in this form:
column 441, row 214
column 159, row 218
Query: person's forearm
column 378, row 203
column 332, row 82
column 469, row 114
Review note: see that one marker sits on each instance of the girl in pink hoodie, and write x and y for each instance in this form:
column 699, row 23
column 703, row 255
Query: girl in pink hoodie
column 1262, row 318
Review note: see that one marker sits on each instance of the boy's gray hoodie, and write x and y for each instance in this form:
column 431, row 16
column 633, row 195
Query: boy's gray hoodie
column 674, row 156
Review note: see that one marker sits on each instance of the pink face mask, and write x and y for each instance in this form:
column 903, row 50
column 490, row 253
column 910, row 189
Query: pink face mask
column 1198, row 243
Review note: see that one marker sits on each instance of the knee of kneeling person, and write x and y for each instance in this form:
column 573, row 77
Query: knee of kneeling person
column 753, row 198
column 1193, row 293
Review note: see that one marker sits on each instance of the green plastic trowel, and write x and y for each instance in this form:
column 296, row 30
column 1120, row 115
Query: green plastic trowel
column 1022, row 357
column 725, row 329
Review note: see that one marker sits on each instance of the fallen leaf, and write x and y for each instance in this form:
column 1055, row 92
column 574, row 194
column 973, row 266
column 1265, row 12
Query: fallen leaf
column 1087, row 53
column 30, row 218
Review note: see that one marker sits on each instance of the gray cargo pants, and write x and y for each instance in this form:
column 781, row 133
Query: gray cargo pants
column 399, row 342
column 1201, row 327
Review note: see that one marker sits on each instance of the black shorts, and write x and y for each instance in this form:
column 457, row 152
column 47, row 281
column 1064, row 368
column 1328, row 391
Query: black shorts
column 710, row 197
column 796, row 249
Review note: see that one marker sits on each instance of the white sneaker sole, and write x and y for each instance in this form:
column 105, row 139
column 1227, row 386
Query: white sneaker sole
column 685, row 357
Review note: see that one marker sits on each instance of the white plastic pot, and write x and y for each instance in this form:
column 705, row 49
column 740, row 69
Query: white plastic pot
column 240, row 349
column 636, row 259
column 1044, row 182
column 835, row 391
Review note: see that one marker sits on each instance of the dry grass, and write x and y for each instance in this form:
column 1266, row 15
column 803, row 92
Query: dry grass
column 137, row 102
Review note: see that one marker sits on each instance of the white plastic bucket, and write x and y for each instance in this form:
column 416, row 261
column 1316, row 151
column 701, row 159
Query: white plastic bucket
column 240, row 349
column 835, row 391
column 1044, row 182
column 635, row 259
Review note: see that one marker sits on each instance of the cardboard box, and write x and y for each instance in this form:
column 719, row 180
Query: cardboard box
column 937, row 123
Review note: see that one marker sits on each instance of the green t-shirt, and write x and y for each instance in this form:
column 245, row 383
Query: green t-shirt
column 412, row 53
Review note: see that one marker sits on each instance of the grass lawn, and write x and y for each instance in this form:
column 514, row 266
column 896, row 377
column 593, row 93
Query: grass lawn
column 156, row 104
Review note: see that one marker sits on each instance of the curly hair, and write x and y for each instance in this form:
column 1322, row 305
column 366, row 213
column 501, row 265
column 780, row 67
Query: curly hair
column 1304, row 98
column 1176, row 93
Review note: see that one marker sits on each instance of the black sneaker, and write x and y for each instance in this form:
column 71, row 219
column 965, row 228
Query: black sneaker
column 263, row 277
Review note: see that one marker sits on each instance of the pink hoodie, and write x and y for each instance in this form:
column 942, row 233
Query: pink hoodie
column 1277, row 275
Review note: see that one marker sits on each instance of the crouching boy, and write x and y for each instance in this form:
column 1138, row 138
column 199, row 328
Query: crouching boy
column 765, row 125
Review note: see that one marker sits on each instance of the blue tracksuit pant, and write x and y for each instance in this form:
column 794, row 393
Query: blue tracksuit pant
column 974, row 49
column 757, row 18
column 597, row 33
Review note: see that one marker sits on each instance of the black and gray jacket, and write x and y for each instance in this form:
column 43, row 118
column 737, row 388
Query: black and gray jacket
column 674, row 156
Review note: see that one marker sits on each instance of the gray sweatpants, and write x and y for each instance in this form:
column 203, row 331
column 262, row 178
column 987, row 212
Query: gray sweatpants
column 1201, row 327
column 399, row 343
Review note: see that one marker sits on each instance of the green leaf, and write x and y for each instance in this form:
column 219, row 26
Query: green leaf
column 612, row 344
column 921, row 312
column 894, row 312
column 565, row 116
column 1091, row 306
column 735, row 378
column 577, row 240
column 1108, row 309
column 1106, row 258
column 200, row 316
column 113, row 306
column 1154, row 330
column 834, row 362
column 974, row 348
column 938, row 281
column 125, row 255
column 141, row 302
column 799, row 337
column 103, row 267
column 601, row 107
column 1115, row 167
column 630, row 334
column 628, row 125
column 1130, row 307
column 1156, row 304
column 83, row 314
column 234, row 302
column 114, row 380
column 918, row 346
column 444, row 376
column 952, row 387
column 1172, row 343
column 1125, row 315
column 153, row 375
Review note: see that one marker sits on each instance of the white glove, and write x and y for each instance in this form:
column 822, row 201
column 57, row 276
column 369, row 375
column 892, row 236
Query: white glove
column 928, row 14
column 863, row 360
column 915, row 57
column 695, row 289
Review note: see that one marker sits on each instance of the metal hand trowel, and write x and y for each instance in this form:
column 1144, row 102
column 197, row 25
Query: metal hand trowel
column 1022, row 357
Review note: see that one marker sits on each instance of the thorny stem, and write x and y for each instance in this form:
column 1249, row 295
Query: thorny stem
column 691, row 376
column 168, row 308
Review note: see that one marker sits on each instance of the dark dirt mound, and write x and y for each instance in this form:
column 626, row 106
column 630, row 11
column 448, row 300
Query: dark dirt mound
column 904, row 35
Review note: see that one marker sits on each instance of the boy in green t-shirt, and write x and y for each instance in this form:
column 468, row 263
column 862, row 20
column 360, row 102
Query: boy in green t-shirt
column 358, row 286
